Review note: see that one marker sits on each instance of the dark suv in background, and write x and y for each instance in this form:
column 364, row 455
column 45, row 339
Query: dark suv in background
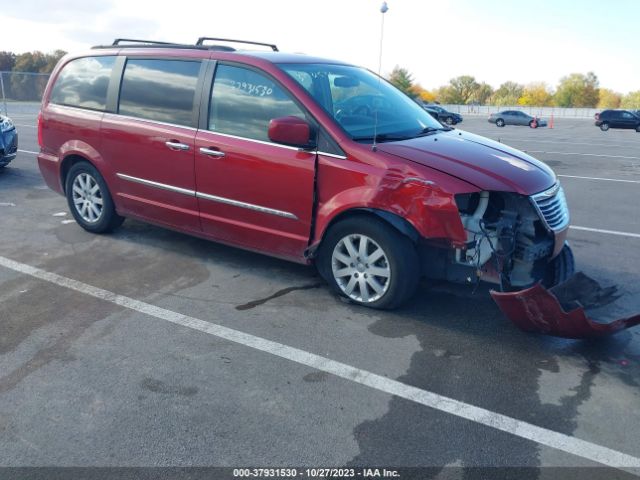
column 618, row 119
column 443, row 115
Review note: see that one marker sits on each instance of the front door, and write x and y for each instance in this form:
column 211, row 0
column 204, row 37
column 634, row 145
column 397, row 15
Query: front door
column 252, row 192
column 150, row 142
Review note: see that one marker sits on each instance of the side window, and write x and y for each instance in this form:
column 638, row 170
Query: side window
column 83, row 83
column 626, row 115
column 160, row 90
column 244, row 101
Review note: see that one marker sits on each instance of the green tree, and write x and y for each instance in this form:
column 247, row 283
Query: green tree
column 403, row 80
column 52, row 60
column 578, row 90
column 609, row 98
column 631, row 100
column 30, row 62
column 508, row 94
column 25, row 83
column 461, row 89
column 536, row 94
column 7, row 60
column 482, row 93
column 444, row 95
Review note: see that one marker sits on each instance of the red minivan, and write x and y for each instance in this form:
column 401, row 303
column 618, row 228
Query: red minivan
column 307, row 159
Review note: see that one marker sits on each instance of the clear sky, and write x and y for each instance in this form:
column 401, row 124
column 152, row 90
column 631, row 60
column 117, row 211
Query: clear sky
column 494, row 40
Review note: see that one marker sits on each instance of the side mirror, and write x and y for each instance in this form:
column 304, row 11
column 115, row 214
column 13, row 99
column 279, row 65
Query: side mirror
column 291, row 130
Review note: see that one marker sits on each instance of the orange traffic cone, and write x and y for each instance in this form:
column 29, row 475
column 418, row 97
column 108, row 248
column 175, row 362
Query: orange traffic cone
column 551, row 121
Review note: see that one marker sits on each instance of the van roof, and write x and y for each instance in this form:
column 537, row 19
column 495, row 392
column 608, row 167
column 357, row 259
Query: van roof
column 273, row 55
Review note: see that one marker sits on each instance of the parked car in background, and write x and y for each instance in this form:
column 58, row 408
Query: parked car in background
column 442, row 115
column 618, row 119
column 516, row 117
column 8, row 141
column 277, row 153
column 431, row 112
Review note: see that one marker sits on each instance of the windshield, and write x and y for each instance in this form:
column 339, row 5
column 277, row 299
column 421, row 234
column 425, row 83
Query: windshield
column 356, row 98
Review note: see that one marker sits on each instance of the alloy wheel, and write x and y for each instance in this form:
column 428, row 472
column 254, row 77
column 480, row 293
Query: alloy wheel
column 361, row 268
column 87, row 197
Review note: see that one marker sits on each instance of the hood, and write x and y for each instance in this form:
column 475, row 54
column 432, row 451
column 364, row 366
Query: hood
column 487, row 164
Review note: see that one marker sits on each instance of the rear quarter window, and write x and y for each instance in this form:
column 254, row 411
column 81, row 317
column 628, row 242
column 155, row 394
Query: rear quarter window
column 160, row 90
column 84, row 83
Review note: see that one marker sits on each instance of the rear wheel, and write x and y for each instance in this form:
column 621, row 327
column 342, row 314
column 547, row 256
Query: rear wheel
column 500, row 122
column 560, row 268
column 638, row 129
column 369, row 262
column 604, row 126
column 89, row 199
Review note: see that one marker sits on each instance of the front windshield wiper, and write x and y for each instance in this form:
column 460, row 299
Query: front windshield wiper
column 431, row 130
column 383, row 137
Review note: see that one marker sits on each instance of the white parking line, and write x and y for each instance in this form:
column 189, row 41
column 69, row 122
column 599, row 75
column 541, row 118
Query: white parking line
column 583, row 154
column 610, row 232
column 28, row 151
column 600, row 178
column 21, row 125
column 543, row 436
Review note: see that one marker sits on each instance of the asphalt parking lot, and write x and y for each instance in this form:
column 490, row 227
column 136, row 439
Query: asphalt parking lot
column 132, row 365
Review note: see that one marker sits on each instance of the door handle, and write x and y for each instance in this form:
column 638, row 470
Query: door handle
column 176, row 145
column 212, row 153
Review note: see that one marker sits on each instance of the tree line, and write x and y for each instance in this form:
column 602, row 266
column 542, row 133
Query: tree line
column 20, row 83
column 573, row 90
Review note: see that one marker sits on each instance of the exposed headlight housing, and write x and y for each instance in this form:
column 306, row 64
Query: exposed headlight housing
column 6, row 124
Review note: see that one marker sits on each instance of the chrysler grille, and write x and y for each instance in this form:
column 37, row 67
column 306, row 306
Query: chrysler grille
column 552, row 207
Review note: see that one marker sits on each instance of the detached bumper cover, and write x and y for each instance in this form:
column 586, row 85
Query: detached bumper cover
column 560, row 311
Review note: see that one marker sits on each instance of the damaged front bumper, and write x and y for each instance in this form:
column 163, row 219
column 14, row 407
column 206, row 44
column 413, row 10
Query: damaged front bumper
column 561, row 311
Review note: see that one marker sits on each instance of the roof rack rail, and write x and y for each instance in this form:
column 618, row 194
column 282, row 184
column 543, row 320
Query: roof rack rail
column 117, row 41
column 201, row 40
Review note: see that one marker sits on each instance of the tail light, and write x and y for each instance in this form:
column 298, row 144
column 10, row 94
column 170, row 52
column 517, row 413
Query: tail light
column 40, row 127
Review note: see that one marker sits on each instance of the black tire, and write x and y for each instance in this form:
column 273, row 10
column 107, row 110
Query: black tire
column 449, row 121
column 638, row 129
column 500, row 123
column 560, row 268
column 108, row 219
column 399, row 250
column 604, row 126
column 533, row 124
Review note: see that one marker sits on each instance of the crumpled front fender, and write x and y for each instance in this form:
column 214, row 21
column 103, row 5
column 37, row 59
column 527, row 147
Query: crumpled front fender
column 560, row 311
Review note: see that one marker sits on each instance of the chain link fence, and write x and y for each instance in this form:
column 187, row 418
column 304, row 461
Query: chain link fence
column 21, row 92
column 546, row 112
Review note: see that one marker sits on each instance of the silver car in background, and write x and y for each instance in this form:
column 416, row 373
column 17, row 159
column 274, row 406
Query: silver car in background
column 516, row 117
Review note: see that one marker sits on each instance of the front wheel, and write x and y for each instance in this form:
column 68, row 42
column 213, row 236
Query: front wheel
column 449, row 120
column 533, row 124
column 604, row 126
column 500, row 122
column 89, row 199
column 638, row 129
column 369, row 262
